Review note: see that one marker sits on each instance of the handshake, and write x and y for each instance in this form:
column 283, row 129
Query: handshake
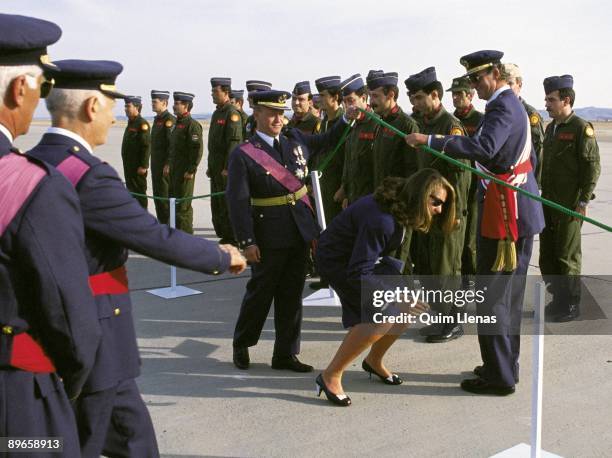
column 237, row 261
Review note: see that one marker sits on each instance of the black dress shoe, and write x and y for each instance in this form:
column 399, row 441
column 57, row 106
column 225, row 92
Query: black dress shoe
column 393, row 379
column 291, row 363
column 570, row 314
column 551, row 310
column 316, row 285
column 241, row 358
column 339, row 399
column 479, row 371
column 448, row 333
column 481, row 386
column 430, row 330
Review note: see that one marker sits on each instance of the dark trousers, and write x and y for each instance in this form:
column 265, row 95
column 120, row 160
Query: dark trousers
column 218, row 205
column 179, row 188
column 138, row 184
column 500, row 343
column 160, row 189
column 35, row 405
column 279, row 277
column 115, row 422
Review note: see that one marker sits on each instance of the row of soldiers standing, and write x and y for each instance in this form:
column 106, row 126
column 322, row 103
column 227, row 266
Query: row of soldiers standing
column 372, row 153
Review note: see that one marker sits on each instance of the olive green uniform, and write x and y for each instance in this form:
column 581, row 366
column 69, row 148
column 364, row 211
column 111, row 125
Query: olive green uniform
column 357, row 173
column 160, row 146
column 331, row 178
column 224, row 135
column 537, row 138
column 570, row 171
column 393, row 157
column 309, row 123
column 135, row 152
column 470, row 118
column 436, row 253
column 185, row 154
column 245, row 120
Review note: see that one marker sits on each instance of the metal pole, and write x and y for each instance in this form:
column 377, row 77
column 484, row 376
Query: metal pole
column 538, row 371
column 173, row 226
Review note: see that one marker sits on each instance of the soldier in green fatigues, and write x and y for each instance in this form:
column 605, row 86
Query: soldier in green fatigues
column 357, row 174
column 392, row 156
column 160, row 145
column 331, row 179
column 515, row 81
column 437, row 254
column 463, row 93
column 135, row 149
column 186, row 146
column 224, row 135
column 237, row 100
column 301, row 103
column 254, row 86
column 570, row 171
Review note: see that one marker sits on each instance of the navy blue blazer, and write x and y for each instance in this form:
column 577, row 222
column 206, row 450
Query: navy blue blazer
column 115, row 222
column 279, row 226
column 356, row 239
column 497, row 145
column 43, row 274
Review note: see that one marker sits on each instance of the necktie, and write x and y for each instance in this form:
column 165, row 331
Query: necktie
column 277, row 145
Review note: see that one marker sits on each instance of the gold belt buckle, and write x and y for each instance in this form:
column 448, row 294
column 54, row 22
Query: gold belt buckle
column 291, row 198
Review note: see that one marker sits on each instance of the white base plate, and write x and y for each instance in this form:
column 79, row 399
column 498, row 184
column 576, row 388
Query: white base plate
column 522, row 451
column 325, row 297
column 173, row 293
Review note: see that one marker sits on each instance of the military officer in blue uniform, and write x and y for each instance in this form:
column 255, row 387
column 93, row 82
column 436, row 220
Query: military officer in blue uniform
column 49, row 331
column 254, row 86
column 274, row 223
column 111, row 414
column 502, row 146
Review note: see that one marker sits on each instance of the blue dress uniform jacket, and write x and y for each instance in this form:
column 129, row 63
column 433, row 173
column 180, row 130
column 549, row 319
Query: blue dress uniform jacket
column 44, row 291
column 114, row 223
column 282, row 234
column 497, row 145
column 279, row 226
column 350, row 248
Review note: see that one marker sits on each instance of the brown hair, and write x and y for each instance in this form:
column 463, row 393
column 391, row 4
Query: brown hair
column 407, row 199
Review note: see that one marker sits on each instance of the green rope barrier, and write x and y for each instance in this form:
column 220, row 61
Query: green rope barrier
column 331, row 155
column 460, row 164
column 179, row 199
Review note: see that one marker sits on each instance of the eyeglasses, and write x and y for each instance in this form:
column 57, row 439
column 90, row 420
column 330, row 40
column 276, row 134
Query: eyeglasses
column 435, row 202
column 475, row 78
column 45, row 87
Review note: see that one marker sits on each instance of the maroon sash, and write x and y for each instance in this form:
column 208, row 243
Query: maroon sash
column 73, row 168
column 19, row 179
column 278, row 172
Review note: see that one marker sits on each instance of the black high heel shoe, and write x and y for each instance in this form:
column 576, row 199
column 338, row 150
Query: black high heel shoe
column 338, row 399
column 393, row 379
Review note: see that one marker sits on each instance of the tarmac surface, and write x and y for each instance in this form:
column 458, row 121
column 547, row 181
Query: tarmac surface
column 202, row 406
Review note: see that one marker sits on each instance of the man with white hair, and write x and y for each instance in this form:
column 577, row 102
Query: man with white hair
column 49, row 331
column 515, row 81
column 111, row 415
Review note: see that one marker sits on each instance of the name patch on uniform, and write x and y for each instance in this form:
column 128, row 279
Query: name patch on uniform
column 131, row 129
column 180, row 126
column 366, row 135
column 221, row 121
column 388, row 132
column 566, row 136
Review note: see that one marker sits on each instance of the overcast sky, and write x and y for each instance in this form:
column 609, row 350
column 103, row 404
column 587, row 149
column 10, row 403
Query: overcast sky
column 181, row 45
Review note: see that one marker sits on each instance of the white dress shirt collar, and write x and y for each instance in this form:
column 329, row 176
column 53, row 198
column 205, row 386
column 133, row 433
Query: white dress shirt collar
column 7, row 134
column 68, row 133
column 497, row 92
column 266, row 138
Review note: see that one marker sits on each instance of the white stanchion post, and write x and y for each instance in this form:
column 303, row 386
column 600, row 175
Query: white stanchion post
column 173, row 291
column 323, row 296
column 538, row 371
column 534, row 450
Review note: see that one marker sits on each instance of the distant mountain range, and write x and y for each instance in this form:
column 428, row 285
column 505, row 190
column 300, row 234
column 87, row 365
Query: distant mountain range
column 588, row 113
